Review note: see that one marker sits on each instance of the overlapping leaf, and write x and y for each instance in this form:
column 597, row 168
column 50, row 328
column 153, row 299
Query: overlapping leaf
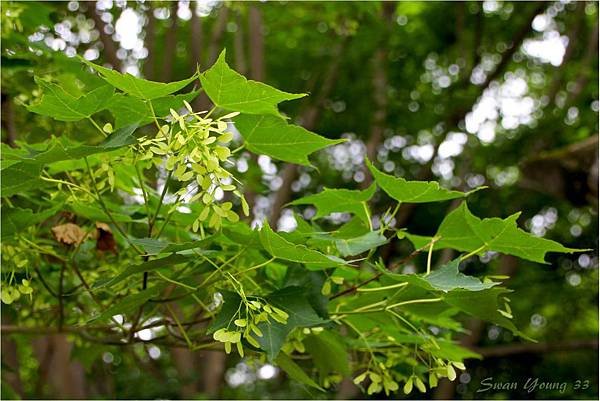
column 62, row 106
column 133, row 110
column 295, row 372
column 481, row 304
column 339, row 200
column 274, row 137
column 130, row 303
column 20, row 177
column 463, row 231
column 293, row 300
column 232, row 91
column 413, row 191
column 16, row 219
column 170, row 260
column 328, row 352
column 280, row 248
column 358, row 245
column 138, row 87
column 446, row 278
column 62, row 148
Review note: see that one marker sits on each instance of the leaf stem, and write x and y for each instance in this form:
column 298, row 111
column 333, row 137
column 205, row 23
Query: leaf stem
column 413, row 301
column 368, row 214
column 387, row 287
column 475, row 252
column 149, row 103
column 160, row 202
column 97, row 127
column 258, row 266
column 144, row 193
column 105, row 209
column 429, row 256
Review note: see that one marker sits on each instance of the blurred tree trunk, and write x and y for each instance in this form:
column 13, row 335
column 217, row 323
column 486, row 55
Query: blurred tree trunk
column 212, row 366
column 573, row 35
column 380, row 89
column 256, row 44
column 65, row 378
column 215, row 45
column 308, row 120
column 584, row 75
column 110, row 49
column 8, row 120
column 202, row 102
column 239, row 48
column 150, row 41
column 196, row 39
column 10, row 362
column 170, row 45
column 197, row 44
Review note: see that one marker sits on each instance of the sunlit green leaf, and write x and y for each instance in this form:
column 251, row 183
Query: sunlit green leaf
column 232, row 91
column 139, row 87
column 358, row 245
column 413, row 191
column 280, row 248
column 274, row 137
column 463, row 231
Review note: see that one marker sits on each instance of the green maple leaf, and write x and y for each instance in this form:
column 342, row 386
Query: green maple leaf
column 273, row 136
column 463, row 231
column 281, row 248
column 414, row 191
column 339, row 200
column 232, row 91
column 138, row 87
column 63, row 106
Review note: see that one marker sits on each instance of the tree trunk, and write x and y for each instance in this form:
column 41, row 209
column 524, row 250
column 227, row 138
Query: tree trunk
column 150, row 40
column 257, row 71
column 257, row 44
column 380, row 85
column 66, row 378
column 170, row 45
column 214, row 48
column 110, row 49
column 8, row 120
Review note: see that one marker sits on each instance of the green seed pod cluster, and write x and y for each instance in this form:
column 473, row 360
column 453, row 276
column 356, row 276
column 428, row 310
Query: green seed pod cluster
column 382, row 377
column 246, row 324
column 194, row 149
column 15, row 261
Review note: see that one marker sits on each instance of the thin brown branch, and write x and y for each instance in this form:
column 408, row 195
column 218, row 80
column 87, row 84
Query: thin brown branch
column 501, row 351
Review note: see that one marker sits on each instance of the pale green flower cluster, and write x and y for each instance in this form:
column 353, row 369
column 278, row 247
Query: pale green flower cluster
column 194, row 148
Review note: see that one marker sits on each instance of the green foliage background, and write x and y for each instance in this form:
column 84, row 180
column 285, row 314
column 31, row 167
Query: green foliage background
column 392, row 79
